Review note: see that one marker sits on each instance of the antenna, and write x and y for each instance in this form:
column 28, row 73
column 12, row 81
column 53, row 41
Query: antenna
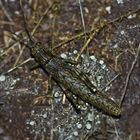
column 26, row 27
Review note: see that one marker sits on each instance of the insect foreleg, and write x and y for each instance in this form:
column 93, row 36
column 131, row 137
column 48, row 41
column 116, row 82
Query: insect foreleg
column 70, row 98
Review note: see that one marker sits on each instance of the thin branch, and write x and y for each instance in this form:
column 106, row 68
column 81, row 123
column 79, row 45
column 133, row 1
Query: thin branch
column 5, row 11
column 82, row 17
column 71, row 39
column 129, row 74
column 17, row 66
column 112, row 80
column 116, row 131
column 42, row 17
column 89, row 40
column 7, row 23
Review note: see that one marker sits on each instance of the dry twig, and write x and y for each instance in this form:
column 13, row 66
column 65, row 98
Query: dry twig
column 129, row 74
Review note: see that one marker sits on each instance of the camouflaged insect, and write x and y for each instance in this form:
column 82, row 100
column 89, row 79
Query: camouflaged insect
column 71, row 80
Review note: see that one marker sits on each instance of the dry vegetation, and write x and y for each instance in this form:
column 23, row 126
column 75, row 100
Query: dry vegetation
column 27, row 110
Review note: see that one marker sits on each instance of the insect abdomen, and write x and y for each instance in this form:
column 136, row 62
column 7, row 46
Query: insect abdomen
column 70, row 81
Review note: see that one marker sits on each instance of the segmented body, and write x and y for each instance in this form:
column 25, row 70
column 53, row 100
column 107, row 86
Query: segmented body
column 74, row 81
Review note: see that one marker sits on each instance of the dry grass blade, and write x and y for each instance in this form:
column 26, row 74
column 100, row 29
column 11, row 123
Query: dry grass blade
column 21, row 64
column 89, row 40
column 129, row 75
column 5, row 11
column 82, row 17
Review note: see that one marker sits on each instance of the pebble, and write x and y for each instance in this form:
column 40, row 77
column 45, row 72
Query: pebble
column 88, row 126
column 108, row 9
column 75, row 51
column 32, row 123
column 90, row 116
column 57, row 94
column 115, row 46
column 101, row 62
column 103, row 66
column 44, row 116
column 75, row 133
column 92, row 57
column 79, row 126
column 2, row 78
column 63, row 55
column 122, row 32
column 120, row 2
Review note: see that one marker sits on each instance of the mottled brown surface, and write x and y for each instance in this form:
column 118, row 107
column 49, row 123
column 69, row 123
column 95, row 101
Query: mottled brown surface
column 116, row 44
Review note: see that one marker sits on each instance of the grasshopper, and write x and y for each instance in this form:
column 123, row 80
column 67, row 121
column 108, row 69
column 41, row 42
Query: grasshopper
column 69, row 78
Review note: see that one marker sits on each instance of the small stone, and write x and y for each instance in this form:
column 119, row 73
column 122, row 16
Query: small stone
column 130, row 42
column 131, row 16
column 88, row 126
column 103, row 66
column 69, row 54
column 63, row 55
column 10, row 121
column 1, row 50
column 94, row 89
column 92, row 57
column 7, row 92
column 18, row 79
column 120, row 1
column 75, row 133
column 108, row 9
column 101, row 62
column 75, row 51
column 107, row 88
column 98, row 122
column 115, row 46
column 99, row 78
column 57, row 94
column 32, row 112
column 44, row 116
column 32, row 123
column 122, row 32
column 90, row 117
column 79, row 126
column 107, row 69
column 13, row 83
column 2, row 78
